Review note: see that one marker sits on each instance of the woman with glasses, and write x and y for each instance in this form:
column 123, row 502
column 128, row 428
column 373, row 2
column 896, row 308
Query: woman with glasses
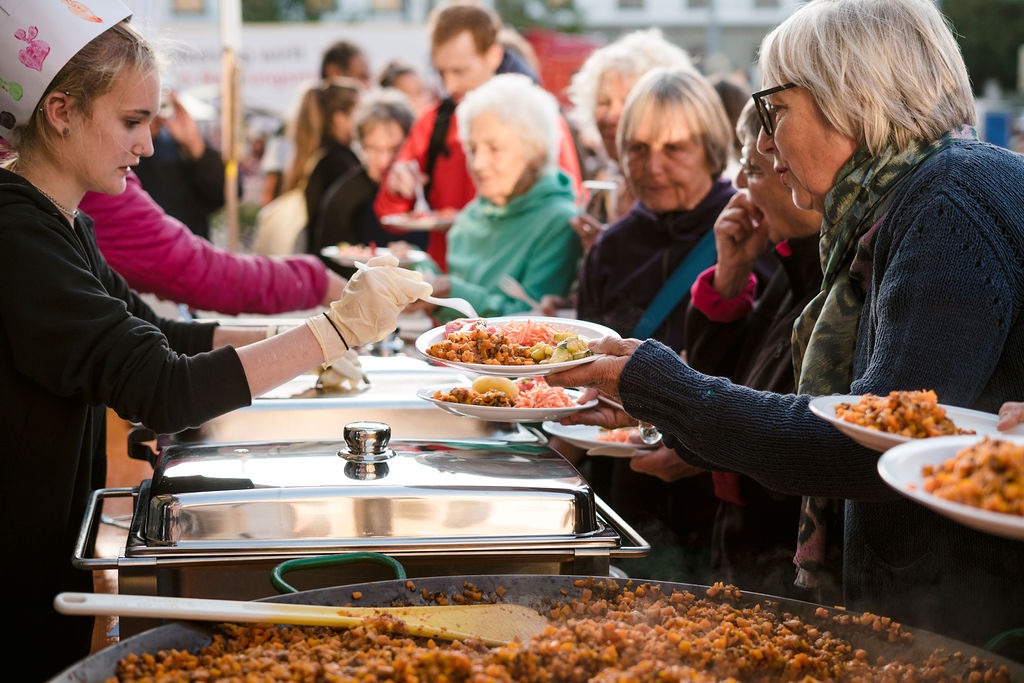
column 922, row 243
column 731, row 333
column 674, row 140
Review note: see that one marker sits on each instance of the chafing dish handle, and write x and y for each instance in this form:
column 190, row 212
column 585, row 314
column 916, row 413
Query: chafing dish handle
column 638, row 547
column 277, row 575
column 86, row 542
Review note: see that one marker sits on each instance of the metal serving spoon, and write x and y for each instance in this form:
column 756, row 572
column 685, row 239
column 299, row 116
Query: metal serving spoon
column 457, row 303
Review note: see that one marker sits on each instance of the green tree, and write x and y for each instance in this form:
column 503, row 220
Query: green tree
column 990, row 33
column 286, row 10
column 522, row 14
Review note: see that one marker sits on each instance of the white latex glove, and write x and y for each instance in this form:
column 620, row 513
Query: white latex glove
column 344, row 373
column 368, row 309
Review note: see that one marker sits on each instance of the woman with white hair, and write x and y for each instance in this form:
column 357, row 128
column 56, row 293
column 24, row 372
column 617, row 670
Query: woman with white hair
column 598, row 92
column 922, row 243
column 518, row 223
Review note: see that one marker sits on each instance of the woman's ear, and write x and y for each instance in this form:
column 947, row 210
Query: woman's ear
column 56, row 107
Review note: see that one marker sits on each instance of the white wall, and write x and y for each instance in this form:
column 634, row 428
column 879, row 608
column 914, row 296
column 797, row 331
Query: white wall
column 278, row 59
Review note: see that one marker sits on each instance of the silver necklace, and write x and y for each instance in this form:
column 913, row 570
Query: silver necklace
column 70, row 213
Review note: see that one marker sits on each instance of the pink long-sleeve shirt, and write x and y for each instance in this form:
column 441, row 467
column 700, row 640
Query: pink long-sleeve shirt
column 158, row 254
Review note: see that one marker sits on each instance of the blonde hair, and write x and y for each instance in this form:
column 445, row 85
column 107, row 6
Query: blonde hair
column 881, row 71
column 308, row 126
column 632, row 55
column 680, row 94
column 89, row 75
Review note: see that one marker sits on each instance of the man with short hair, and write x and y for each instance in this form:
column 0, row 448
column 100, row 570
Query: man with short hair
column 345, row 58
column 466, row 52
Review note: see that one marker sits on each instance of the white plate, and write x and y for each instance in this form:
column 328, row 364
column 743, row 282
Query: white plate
column 876, row 439
column 419, row 221
column 585, row 436
column 900, row 468
column 587, row 330
column 496, row 414
column 411, row 258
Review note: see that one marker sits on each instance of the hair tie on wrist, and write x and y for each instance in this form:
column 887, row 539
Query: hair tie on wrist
column 337, row 330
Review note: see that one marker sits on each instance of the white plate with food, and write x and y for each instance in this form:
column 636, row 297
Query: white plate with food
column 567, row 398
column 523, row 330
column 964, row 418
column 420, row 220
column 349, row 254
column 611, row 442
column 902, row 468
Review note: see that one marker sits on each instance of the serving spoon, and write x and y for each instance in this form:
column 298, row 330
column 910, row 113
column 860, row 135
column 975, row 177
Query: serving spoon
column 454, row 302
column 494, row 624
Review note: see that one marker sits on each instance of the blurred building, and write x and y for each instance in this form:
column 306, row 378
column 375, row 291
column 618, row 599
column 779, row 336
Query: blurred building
column 279, row 58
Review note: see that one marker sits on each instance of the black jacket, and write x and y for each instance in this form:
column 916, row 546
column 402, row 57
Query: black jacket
column 74, row 339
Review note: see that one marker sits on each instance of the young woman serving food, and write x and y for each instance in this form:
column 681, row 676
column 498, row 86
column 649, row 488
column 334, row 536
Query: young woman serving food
column 74, row 338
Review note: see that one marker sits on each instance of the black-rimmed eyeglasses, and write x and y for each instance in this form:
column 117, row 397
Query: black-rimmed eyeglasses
column 765, row 111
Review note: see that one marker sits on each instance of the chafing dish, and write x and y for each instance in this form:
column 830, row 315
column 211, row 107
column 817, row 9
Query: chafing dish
column 298, row 410
column 215, row 519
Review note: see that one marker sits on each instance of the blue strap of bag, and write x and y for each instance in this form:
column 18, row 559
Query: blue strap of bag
column 676, row 286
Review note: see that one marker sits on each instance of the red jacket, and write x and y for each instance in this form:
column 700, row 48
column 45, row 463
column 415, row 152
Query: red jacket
column 451, row 185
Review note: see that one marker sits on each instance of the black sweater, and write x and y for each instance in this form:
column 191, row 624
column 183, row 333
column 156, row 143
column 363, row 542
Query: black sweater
column 74, row 339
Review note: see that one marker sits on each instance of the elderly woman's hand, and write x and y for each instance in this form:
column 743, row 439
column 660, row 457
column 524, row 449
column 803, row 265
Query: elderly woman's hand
column 665, row 464
column 1011, row 414
column 588, row 228
column 739, row 241
column 403, row 176
column 603, row 373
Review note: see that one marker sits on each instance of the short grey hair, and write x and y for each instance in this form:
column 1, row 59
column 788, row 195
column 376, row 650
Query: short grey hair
column 680, row 94
column 517, row 101
column 632, row 55
column 881, row 71
column 383, row 105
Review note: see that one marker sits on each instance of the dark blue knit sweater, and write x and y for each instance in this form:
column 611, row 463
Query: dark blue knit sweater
column 944, row 312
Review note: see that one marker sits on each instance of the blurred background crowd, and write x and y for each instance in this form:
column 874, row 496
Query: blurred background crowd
column 285, row 44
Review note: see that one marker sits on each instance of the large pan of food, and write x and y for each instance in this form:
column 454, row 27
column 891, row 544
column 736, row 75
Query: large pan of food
column 600, row 629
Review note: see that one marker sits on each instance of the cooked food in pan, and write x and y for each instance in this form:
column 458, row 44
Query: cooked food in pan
column 635, row 632
column 988, row 475
column 916, row 414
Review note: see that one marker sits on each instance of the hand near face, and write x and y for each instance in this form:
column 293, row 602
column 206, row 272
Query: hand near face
column 665, row 464
column 183, row 128
column 740, row 241
column 602, row 374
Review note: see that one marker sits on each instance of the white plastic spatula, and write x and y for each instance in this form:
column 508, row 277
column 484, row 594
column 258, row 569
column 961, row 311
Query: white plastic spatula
column 494, row 624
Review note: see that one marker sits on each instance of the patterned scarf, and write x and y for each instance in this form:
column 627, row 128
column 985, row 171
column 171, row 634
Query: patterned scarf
column 824, row 335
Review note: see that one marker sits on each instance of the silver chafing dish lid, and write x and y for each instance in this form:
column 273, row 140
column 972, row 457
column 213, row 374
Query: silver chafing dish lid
column 318, row 494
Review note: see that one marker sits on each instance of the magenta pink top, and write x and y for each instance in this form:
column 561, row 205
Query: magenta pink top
column 158, row 254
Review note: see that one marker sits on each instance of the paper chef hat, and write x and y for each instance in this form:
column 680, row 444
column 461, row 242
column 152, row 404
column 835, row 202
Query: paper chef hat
column 37, row 38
